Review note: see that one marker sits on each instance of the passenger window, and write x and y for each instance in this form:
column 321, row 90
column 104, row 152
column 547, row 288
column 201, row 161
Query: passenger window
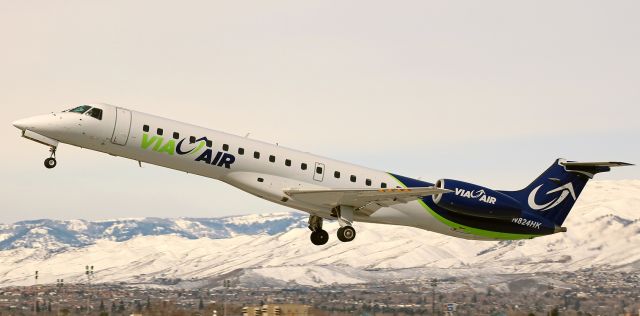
column 303, row 166
column 368, row 182
column 225, row 147
column 209, row 143
column 160, row 131
column 176, row 135
column 287, row 162
column 145, row 128
column 337, row 174
column 272, row 158
column 241, row 151
column 256, row 155
column 319, row 170
column 192, row 139
column 353, row 178
column 383, row 185
column 95, row 113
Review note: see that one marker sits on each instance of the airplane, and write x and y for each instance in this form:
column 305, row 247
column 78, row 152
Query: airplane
column 327, row 189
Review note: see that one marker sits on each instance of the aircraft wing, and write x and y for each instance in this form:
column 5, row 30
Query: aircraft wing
column 366, row 201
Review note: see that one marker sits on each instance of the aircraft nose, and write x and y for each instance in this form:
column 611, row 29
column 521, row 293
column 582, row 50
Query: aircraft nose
column 34, row 123
column 20, row 124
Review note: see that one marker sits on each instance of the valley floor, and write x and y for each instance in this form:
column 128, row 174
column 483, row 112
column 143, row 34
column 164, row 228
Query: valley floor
column 586, row 292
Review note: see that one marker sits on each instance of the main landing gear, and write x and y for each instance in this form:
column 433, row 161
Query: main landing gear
column 51, row 161
column 346, row 232
column 319, row 236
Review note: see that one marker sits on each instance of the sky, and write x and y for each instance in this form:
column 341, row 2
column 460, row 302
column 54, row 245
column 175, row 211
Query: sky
column 484, row 91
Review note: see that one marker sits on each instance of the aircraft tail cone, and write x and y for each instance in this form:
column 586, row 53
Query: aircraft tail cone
column 559, row 229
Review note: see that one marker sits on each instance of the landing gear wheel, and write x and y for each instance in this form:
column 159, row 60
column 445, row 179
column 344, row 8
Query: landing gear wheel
column 50, row 163
column 319, row 237
column 346, row 233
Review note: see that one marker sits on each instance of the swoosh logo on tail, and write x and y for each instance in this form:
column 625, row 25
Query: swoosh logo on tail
column 564, row 190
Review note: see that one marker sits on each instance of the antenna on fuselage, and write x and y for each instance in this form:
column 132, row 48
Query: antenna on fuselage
column 247, row 136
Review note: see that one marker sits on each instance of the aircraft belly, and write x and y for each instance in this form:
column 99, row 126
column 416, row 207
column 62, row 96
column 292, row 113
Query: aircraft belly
column 408, row 214
column 413, row 215
column 271, row 188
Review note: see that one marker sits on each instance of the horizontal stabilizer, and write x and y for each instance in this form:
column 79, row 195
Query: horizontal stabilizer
column 591, row 168
column 596, row 164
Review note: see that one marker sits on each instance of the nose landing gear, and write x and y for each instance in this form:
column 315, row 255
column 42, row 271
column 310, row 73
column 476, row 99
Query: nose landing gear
column 51, row 161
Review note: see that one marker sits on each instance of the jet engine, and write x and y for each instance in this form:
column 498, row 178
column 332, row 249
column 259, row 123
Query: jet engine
column 474, row 200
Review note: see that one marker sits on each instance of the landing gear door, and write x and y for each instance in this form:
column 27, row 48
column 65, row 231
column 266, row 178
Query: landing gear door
column 318, row 172
column 122, row 127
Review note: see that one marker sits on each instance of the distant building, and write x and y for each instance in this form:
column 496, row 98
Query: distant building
column 251, row 311
column 276, row 310
column 450, row 309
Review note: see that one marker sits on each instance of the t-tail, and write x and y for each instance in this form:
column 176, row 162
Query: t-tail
column 555, row 191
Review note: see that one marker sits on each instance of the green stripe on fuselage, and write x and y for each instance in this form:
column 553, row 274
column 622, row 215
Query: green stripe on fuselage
column 468, row 229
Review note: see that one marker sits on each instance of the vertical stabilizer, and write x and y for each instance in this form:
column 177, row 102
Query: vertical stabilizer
column 555, row 191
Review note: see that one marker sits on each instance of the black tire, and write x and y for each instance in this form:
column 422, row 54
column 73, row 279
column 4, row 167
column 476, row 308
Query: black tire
column 50, row 163
column 320, row 237
column 346, row 234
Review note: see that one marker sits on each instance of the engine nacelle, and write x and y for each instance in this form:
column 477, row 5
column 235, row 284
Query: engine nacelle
column 474, row 200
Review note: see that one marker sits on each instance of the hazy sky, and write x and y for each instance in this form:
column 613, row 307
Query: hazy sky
column 485, row 91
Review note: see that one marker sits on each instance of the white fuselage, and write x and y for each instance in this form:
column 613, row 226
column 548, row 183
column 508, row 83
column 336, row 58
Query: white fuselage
column 231, row 160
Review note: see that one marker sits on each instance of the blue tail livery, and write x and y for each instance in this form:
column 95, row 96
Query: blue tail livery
column 555, row 191
column 476, row 212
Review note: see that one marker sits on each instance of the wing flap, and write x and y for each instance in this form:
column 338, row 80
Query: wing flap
column 369, row 200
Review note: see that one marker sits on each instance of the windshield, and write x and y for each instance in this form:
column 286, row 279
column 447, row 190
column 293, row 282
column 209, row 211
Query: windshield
column 95, row 112
column 81, row 109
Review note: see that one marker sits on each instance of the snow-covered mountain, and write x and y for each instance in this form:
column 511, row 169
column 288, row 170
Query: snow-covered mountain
column 603, row 233
column 56, row 236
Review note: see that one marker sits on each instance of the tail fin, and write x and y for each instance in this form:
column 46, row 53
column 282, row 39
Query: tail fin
column 555, row 191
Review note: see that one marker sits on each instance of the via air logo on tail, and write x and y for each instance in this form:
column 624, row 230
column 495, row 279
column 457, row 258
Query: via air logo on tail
column 565, row 190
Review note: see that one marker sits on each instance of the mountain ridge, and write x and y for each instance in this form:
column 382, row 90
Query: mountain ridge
column 59, row 234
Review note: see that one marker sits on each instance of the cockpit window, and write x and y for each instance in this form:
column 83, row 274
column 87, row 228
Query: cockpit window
column 95, row 112
column 81, row 109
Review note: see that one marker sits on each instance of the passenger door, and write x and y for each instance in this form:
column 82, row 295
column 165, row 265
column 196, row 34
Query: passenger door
column 122, row 127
